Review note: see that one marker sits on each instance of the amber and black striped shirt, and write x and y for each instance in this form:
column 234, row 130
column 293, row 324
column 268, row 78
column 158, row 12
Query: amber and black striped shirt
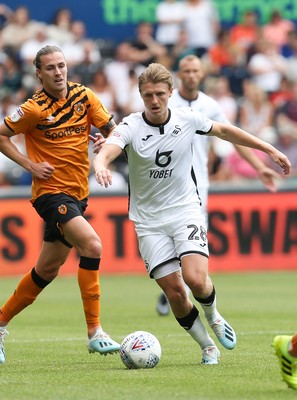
column 56, row 131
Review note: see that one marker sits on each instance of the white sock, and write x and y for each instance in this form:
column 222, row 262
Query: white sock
column 210, row 311
column 200, row 334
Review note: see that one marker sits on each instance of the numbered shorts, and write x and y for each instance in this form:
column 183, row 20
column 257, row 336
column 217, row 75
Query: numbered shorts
column 163, row 245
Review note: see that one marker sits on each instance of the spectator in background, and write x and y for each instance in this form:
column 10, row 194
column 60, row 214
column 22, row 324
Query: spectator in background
column 12, row 78
column 286, row 114
column 6, row 14
column 74, row 49
column 286, row 126
column 291, row 71
column 29, row 49
column 202, row 24
column 118, row 73
column 3, row 90
column 7, row 106
column 134, row 102
column 222, row 55
column 144, row 49
column 267, row 66
column 2, row 50
column 180, row 50
column 287, row 50
column 130, row 102
column 244, row 34
column 282, row 95
column 237, row 74
column 255, row 110
column 60, row 28
column 19, row 29
column 235, row 169
column 228, row 59
column 218, row 88
column 277, row 29
column 255, row 114
column 105, row 92
column 12, row 84
column 170, row 15
column 287, row 141
column 84, row 71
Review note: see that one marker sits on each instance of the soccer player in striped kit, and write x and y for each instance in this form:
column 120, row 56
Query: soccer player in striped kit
column 56, row 123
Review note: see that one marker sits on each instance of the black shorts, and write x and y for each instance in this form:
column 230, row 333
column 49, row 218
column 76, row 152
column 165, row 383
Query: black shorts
column 56, row 209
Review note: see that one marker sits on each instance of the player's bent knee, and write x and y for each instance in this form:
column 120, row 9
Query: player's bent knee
column 176, row 296
column 92, row 249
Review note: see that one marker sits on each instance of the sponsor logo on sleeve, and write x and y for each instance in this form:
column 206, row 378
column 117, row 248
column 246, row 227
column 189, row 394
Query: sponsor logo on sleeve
column 17, row 114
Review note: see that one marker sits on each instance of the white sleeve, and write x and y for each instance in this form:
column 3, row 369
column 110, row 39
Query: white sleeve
column 120, row 136
column 203, row 123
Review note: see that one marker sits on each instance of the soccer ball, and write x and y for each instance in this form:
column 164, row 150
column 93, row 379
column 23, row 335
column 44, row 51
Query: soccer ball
column 140, row 349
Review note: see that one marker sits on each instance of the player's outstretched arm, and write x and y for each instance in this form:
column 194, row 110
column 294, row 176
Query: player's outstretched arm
column 267, row 175
column 107, row 154
column 236, row 135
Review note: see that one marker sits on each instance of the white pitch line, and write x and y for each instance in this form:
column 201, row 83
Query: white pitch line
column 79, row 339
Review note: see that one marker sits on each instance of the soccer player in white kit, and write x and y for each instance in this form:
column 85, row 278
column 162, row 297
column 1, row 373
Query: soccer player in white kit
column 190, row 74
column 164, row 203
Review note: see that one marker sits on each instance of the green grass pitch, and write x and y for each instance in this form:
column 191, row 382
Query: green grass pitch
column 47, row 358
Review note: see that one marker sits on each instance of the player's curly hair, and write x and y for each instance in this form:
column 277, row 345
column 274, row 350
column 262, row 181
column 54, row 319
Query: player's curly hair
column 43, row 52
column 155, row 73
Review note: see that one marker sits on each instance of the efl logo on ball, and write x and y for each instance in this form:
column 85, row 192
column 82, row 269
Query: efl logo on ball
column 140, row 349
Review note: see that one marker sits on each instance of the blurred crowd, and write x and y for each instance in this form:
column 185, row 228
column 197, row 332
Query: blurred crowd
column 250, row 69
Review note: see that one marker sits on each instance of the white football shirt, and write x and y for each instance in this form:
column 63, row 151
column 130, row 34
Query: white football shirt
column 212, row 110
column 160, row 163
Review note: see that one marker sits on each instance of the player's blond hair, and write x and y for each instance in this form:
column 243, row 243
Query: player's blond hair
column 155, row 73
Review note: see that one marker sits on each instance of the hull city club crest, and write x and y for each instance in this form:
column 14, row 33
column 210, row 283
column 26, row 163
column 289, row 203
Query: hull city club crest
column 79, row 108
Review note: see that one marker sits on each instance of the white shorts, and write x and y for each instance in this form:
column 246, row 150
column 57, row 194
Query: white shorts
column 163, row 245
